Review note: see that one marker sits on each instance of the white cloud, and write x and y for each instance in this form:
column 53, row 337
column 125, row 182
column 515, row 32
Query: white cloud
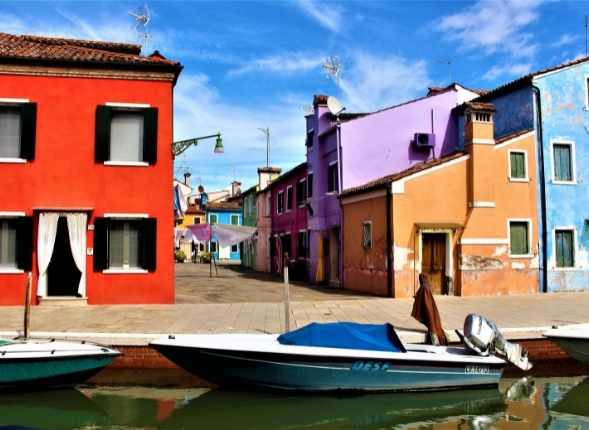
column 327, row 15
column 565, row 39
column 200, row 110
column 286, row 63
column 494, row 27
column 374, row 82
column 507, row 70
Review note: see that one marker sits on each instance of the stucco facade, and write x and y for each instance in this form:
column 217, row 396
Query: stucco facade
column 228, row 212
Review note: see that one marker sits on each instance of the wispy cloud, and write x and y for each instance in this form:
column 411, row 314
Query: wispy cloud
column 327, row 15
column 565, row 39
column 494, row 27
column 376, row 81
column 507, row 71
column 286, row 63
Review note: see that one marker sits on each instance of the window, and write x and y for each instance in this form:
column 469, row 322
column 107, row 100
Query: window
column 126, row 135
column 367, row 235
column 234, row 219
column 201, row 247
column 519, row 238
column 16, row 243
column 564, row 241
column 17, row 131
column 125, row 244
column 310, row 185
column 289, row 197
column 197, row 220
column 332, row 178
column 213, row 247
column 563, row 162
column 302, row 244
column 310, row 135
column 301, row 192
column 7, row 243
column 234, row 248
column 518, row 169
column 268, row 205
column 213, row 219
column 280, row 202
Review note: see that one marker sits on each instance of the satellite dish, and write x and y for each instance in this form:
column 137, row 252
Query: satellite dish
column 334, row 106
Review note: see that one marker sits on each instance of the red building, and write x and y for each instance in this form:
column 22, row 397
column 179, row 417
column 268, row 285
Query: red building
column 85, row 171
column 289, row 194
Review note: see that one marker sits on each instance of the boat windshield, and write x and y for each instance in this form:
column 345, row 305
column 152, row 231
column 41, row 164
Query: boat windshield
column 4, row 342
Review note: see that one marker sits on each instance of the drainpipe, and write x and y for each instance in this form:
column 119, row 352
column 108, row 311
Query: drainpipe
column 390, row 273
column 339, row 190
column 540, row 136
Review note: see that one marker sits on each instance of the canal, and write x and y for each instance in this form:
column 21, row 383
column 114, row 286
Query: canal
column 547, row 403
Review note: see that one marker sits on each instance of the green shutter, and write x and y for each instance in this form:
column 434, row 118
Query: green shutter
column 562, row 163
column 518, row 233
column 518, row 167
column 564, row 248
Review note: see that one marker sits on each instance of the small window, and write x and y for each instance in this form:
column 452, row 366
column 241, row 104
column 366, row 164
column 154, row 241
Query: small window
column 519, row 237
column 310, row 135
column 517, row 166
column 367, row 235
column 213, row 247
column 213, row 219
column 310, row 185
column 123, row 245
column 289, row 198
column 201, row 247
column 565, row 248
column 563, row 162
column 8, row 231
column 126, row 136
column 234, row 248
column 301, row 192
column 332, row 178
column 280, row 202
column 268, row 210
column 234, row 219
column 197, row 220
column 302, row 244
column 18, row 130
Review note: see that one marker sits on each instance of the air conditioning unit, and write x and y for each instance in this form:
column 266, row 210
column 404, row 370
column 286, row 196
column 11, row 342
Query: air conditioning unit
column 424, row 140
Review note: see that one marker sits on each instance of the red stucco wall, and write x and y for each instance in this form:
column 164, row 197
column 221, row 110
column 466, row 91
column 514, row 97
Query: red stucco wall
column 65, row 175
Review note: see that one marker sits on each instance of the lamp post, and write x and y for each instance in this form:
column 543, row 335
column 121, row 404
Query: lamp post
column 182, row 145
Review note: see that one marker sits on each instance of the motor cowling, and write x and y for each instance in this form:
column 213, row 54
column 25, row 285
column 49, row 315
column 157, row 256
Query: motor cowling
column 482, row 336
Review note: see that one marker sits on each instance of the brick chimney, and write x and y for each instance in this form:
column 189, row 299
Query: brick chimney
column 267, row 175
column 479, row 142
column 235, row 188
column 187, row 176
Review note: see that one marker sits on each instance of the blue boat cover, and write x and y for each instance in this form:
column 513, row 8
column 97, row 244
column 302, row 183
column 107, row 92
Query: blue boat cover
column 348, row 335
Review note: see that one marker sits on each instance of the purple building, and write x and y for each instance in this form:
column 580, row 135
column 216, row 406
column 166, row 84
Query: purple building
column 367, row 147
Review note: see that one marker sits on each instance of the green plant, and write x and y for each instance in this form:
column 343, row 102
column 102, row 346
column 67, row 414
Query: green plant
column 180, row 256
column 205, row 257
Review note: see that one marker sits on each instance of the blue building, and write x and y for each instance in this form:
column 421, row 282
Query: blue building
column 227, row 212
column 554, row 103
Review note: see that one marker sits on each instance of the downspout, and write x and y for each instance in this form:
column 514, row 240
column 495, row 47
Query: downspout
column 540, row 138
column 390, row 273
column 339, row 190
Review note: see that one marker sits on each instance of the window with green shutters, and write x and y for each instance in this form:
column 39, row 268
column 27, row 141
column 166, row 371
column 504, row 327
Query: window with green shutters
column 519, row 243
column 234, row 219
column 517, row 165
column 565, row 248
column 563, row 162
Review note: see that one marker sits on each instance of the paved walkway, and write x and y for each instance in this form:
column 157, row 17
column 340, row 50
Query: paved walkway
column 517, row 316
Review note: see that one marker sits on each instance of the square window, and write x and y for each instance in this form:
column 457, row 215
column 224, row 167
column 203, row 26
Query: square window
column 280, row 202
column 366, row 235
column 123, row 244
column 213, row 247
column 197, row 220
column 8, row 233
column 289, row 197
column 213, row 219
column 563, row 162
column 234, row 248
column 126, row 136
column 301, row 192
column 519, row 237
column 10, row 132
column 517, row 165
column 234, row 219
column 565, row 248
column 302, row 244
column 332, row 178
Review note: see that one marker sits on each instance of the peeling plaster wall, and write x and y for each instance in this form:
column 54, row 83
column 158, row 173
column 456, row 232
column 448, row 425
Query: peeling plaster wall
column 565, row 116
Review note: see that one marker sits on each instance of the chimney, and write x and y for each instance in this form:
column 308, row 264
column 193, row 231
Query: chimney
column 267, row 175
column 479, row 141
column 187, row 179
column 235, row 188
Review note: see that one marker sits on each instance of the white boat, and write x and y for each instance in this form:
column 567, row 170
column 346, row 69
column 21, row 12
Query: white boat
column 574, row 339
column 33, row 362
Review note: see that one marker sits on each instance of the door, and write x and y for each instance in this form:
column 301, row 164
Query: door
column 334, row 262
column 63, row 276
column 433, row 261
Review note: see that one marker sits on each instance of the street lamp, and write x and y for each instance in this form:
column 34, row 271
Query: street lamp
column 182, row 145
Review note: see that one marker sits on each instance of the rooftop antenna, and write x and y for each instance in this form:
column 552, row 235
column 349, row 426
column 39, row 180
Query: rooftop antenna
column 449, row 64
column 142, row 19
column 332, row 67
column 586, row 35
column 266, row 132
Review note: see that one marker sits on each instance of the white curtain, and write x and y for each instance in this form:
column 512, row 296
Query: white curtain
column 45, row 243
column 76, row 226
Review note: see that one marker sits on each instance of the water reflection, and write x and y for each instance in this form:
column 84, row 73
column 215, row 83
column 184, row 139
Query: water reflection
column 544, row 403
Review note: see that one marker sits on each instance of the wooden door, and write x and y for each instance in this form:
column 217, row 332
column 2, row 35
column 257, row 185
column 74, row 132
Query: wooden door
column 433, row 261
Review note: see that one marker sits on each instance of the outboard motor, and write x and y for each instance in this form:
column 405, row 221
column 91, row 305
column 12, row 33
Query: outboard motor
column 483, row 337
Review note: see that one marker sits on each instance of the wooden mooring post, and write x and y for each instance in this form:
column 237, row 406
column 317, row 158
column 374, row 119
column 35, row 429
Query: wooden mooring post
column 27, row 318
column 286, row 295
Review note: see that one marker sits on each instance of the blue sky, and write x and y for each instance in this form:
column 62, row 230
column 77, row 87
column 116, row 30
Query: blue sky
column 251, row 64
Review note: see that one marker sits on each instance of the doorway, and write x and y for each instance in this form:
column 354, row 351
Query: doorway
column 433, row 261
column 333, row 257
column 63, row 276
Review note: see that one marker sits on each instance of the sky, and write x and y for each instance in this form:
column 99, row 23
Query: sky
column 257, row 64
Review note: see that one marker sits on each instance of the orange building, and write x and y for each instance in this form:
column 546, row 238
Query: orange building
column 467, row 220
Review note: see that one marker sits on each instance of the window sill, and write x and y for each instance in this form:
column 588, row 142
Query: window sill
column 331, row 193
column 523, row 256
column 567, row 269
column 555, row 182
column 124, row 271
column 127, row 163
column 10, row 271
column 8, row 160
column 519, row 179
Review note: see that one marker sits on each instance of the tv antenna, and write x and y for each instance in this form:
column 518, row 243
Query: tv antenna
column 266, row 132
column 142, row 19
column 332, row 67
column 448, row 63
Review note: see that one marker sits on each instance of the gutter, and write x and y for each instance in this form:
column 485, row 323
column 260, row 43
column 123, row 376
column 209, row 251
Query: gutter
column 390, row 273
column 540, row 137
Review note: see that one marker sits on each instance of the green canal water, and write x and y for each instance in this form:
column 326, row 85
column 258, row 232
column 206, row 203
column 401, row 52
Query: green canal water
column 548, row 403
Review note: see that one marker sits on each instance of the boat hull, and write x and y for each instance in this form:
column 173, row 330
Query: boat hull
column 323, row 373
column 578, row 348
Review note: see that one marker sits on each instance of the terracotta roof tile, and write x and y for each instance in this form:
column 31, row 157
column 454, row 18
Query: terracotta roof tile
column 226, row 205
